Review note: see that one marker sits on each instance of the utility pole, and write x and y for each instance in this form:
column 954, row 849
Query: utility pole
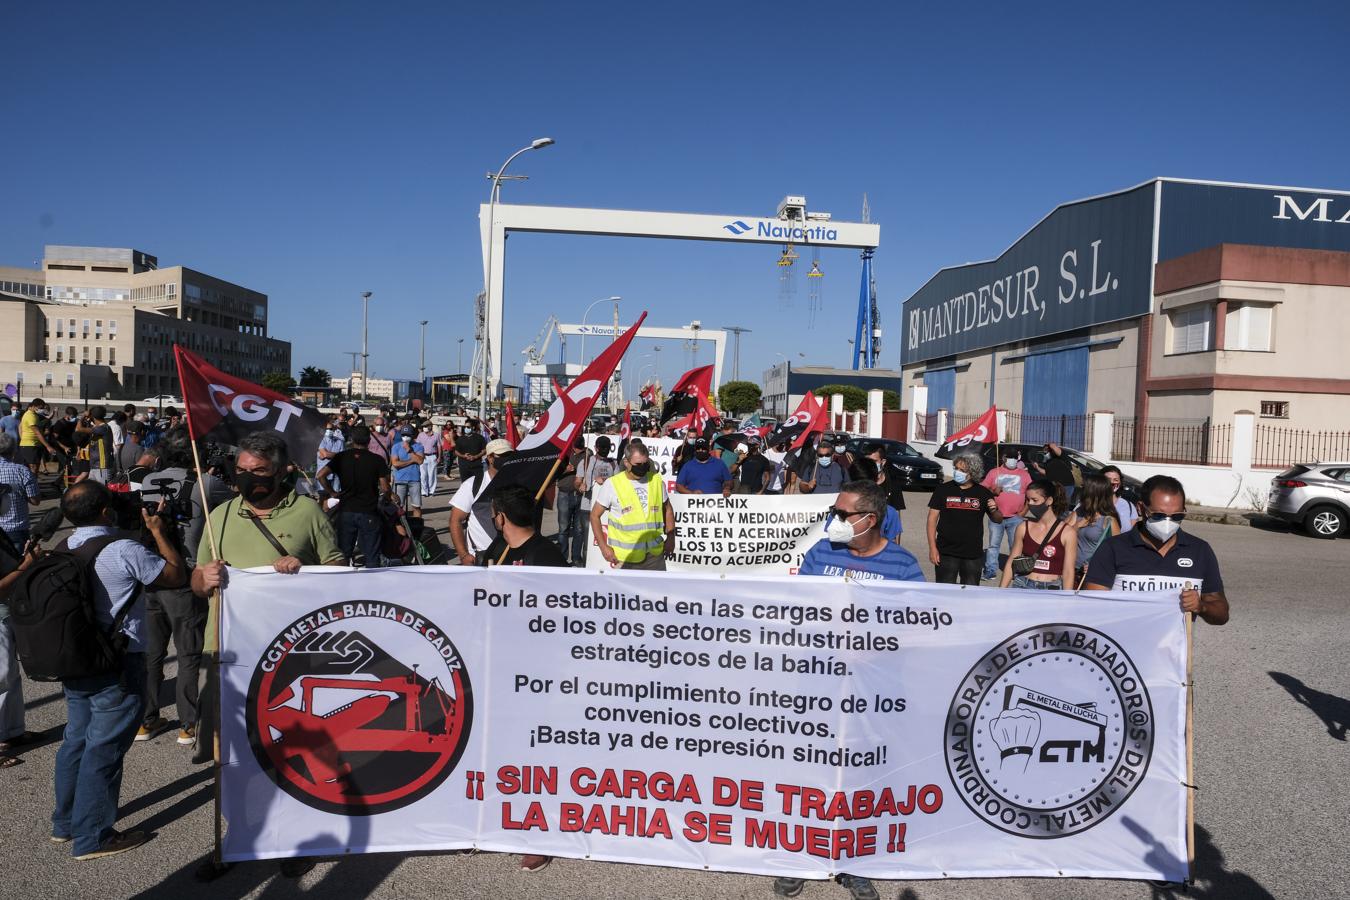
column 353, row 354
column 365, row 347
column 422, row 359
column 736, row 356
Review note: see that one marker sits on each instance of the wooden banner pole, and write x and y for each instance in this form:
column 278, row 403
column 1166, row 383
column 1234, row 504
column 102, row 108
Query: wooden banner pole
column 537, row 497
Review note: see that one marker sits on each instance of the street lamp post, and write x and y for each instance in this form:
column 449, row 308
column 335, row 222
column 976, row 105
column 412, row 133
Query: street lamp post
column 536, row 144
column 422, row 357
column 614, row 300
column 365, row 349
column 736, row 357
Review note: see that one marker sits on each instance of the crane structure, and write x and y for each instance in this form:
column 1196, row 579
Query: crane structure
column 792, row 226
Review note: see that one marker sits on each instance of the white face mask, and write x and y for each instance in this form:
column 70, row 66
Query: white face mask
column 1163, row 530
column 841, row 532
column 1010, row 463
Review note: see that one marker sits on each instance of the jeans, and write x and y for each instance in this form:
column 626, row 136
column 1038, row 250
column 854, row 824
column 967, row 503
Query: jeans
column 996, row 532
column 428, row 476
column 363, row 530
column 179, row 614
column 11, row 684
column 1027, row 584
column 572, row 526
column 951, row 569
column 102, row 715
column 409, row 494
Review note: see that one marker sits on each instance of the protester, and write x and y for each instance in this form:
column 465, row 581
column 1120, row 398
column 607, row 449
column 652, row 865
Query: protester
column 334, row 442
column 104, row 711
column 1057, row 468
column 595, row 471
column 18, row 491
column 9, row 419
column 1008, row 483
column 751, row 469
column 517, row 536
column 175, row 612
column 62, row 435
column 471, row 529
column 888, row 474
column 360, row 479
column 956, row 513
column 99, row 450
column 571, row 522
column 705, row 473
column 1156, row 555
column 406, row 462
column 818, row 473
column 429, row 445
column 13, row 733
column 133, row 433
column 1095, row 518
column 776, row 457
column 381, row 440
column 32, row 441
column 641, row 527
column 448, row 437
column 1046, row 545
column 855, row 544
column 470, row 450
column 1125, row 510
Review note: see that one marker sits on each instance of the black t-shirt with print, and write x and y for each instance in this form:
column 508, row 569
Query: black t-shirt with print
column 537, row 551
column 961, row 512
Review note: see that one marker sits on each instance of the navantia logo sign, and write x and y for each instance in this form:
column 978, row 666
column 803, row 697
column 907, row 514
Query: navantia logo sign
column 1322, row 209
column 777, row 230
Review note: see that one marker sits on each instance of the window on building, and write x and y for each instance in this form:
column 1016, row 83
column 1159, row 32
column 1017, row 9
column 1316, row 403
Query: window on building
column 60, row 328
column 1191, row 328
column 18, row 377
column 1248, row 327
column 48, row 380
column 1274, row 409
column 98, row 356
column 112, row 356
column 112, row 329
column 70, row 379
column 84, row 355
column 85, row 329
column 71, row 352
column 59, row 353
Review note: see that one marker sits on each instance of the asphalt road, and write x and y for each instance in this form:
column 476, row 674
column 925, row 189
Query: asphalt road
column 1271, row 755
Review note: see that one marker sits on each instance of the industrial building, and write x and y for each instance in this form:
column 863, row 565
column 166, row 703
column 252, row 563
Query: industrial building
column 785, row 384
column 1172, row 301
column 102, row 322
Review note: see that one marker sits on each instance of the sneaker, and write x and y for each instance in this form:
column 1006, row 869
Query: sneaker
column 59, row 838
column 118, row 842
column 187, row 735
column 859, row 888
column 152, row 729
column 788, row 887
column 534, row 862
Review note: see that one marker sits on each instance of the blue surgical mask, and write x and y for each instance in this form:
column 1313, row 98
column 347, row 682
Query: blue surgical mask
column 825, row 460
column 959, row 477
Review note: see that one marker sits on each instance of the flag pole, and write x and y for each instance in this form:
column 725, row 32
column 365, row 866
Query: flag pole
column 1190, row 748
column 217, row 860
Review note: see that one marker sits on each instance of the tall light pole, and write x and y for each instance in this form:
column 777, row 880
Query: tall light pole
column 365, row 349
column 460, row 369
column 536, row 144
column 586, row 314
column 353, row 354
column 422, row 359
column 736, row 366
column 657, row 351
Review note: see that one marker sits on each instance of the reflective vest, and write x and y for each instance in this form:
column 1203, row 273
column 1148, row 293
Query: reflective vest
column 636, row 531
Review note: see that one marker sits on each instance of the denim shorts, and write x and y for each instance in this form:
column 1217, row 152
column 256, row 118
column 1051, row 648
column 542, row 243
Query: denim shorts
column 1026, row 584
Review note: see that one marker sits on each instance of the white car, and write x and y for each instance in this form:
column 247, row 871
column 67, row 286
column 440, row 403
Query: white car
column 165, row 399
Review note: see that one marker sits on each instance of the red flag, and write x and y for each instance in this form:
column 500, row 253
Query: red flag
column 690, row 394
column 810, row 417
column 512, row 433
column 983, row 430
column 557, row 389
column 625, row 430
column 560, row 424
column 648, row 396
column 224, row 408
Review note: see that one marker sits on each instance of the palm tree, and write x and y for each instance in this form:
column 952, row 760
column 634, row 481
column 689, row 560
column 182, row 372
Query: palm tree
column 313, row 376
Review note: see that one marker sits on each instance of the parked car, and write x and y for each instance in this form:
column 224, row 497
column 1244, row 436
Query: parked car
column 1033, row 454
column 1315, row 496
column 165, row 399
column 918, row 470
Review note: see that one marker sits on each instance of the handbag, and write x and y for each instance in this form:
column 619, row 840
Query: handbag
column 1022, row 564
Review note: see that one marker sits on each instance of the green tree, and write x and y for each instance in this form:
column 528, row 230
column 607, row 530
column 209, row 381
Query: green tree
column 890, row 399
column 281, row 382
column 739, row 397
column 313, row 376
column 855, row 398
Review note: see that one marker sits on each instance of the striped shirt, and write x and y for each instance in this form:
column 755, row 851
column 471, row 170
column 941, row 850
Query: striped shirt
column 893, row 563
column 120, row 567
column 14, row 502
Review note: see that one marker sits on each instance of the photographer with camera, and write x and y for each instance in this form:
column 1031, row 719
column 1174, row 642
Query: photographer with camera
column 169, row 482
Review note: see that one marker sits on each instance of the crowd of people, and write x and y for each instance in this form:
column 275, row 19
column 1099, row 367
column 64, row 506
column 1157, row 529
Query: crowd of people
column 156, row 555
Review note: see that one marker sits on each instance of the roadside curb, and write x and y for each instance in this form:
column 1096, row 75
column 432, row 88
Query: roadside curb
column 1228, row 517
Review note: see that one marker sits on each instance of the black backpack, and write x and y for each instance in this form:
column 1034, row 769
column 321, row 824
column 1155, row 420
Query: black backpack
column 52, row 612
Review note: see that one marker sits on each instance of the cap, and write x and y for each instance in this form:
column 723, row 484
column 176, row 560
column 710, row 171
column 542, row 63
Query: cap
column 700, row 443
column 498, row 447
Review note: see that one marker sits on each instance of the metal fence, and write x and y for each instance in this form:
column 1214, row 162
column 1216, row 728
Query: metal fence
column 1276, row 448
column 926, row 426
column 1186, row 441
column 1067, row 431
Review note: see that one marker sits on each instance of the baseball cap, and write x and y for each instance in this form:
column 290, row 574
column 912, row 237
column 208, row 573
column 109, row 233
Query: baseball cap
column 700, row 443
column 498, row 447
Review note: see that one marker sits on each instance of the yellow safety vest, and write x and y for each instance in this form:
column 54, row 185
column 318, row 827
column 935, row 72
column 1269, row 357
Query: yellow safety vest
column 636, row 531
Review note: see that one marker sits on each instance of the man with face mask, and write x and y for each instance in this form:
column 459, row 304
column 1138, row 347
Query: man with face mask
column 1156, row 555
column 641, row 529
column 1008, row 483
column 704, row 474
column 333, row 443
column 854, row 544
column 821, row 473
column 429, row 446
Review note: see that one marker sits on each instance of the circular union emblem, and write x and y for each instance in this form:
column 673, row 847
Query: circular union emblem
column 359, row 708
column 1050, row 732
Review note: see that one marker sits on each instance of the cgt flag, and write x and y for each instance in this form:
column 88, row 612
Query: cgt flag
column 688, row 398
column 625, row 431
column 983, row 430
column 537, row 453
column 223, row 408
column 809, row 419
column 648, row 396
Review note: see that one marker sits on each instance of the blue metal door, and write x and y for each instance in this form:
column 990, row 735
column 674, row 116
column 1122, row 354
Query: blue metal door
column 941, row 395
column 1054, row 398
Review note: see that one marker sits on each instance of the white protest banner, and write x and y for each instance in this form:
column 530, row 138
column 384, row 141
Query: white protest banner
column 770, row 725
column 743, row 533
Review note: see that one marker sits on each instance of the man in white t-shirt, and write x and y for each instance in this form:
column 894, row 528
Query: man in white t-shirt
column 777, row 457
column 471, row 534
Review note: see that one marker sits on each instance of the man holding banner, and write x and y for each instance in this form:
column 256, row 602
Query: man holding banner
column 641, row 526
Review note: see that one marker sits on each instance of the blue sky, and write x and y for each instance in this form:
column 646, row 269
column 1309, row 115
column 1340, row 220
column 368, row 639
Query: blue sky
column 312, row 151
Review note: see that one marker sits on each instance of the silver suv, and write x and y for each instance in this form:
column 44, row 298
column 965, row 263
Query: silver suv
column 1316, row 496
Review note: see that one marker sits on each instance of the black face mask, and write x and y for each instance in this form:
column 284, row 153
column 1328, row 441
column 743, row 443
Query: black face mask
column 1036, row 510
column 641, row 470
column 701, row 455
column 255, row 488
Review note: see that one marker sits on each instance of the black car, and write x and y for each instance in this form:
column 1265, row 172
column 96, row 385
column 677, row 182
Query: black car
column 917, row 469
column 1034, row 454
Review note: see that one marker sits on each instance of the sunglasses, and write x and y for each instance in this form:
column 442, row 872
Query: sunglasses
column 845, row 513
column 1163, row 517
